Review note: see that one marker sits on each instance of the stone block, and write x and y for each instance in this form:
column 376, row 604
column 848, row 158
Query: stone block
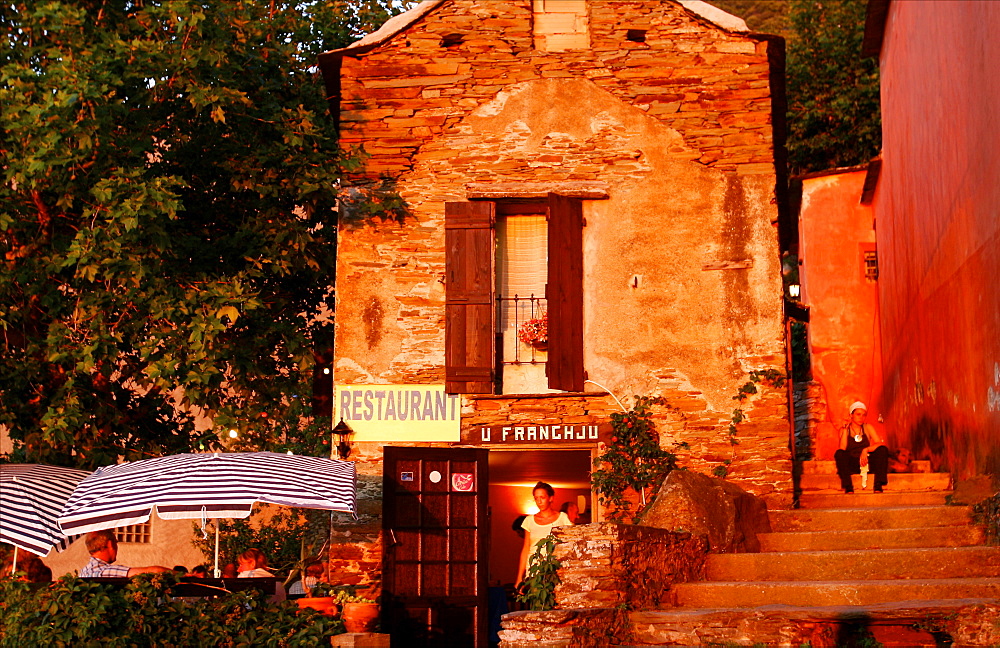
column 727, row 514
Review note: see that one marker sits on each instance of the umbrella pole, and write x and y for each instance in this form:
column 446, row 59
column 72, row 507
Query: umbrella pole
column 13, row 570
column 216, row 571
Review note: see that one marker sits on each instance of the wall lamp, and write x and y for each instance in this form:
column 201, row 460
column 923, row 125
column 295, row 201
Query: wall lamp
column 793, row 291
column 344, row 434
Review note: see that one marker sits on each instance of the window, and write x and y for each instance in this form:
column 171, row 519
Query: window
column 871, row 265
column 522, row 272
column 480, row 336
column 136, row 533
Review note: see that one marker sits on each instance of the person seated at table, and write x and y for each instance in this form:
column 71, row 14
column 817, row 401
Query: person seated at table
column 313, row 575
column 230, row 570
column 253, row 564
column 201, row 571
column 103, row 548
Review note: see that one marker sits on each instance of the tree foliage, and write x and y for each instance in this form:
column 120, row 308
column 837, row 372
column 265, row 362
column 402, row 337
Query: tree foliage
column 167, row 214
column 833, row 93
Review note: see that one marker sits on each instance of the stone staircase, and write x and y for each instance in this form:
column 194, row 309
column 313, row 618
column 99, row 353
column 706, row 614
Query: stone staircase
column 897, row 567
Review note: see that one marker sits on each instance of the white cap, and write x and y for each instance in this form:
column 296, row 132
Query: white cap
column 857, row 405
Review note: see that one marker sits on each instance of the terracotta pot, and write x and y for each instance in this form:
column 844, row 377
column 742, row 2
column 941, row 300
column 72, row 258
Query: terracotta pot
column 323, row 604
column 360, row 617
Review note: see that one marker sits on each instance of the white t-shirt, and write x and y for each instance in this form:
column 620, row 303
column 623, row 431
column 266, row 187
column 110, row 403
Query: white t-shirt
column 538, row 532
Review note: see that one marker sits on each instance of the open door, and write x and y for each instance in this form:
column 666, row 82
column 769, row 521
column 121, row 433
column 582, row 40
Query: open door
column 435, row 526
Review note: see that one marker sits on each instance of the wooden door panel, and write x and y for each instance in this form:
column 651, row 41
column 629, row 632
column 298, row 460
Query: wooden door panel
column 434, row 517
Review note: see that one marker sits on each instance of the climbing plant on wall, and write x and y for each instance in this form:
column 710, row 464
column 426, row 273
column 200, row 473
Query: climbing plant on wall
column 633, row 462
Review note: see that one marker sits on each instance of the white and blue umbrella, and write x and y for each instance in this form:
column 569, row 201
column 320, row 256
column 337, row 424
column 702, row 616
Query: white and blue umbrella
column 31, row 497
column 207, row 486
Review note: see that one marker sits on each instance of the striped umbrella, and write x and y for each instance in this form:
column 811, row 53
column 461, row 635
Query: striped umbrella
column 211, row 485
column 31, row 496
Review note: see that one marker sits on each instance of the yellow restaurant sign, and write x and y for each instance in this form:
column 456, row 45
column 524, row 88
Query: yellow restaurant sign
column 400, row 412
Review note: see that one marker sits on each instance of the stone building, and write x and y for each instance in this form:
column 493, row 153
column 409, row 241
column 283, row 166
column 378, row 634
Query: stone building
column 608, row 172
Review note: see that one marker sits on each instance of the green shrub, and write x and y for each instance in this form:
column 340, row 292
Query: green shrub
column 987, row 513
column 539, row 588
column 76, row 612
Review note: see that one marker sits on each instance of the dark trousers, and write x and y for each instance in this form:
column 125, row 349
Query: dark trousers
column 878, row 465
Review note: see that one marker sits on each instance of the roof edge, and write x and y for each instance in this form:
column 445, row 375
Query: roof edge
column 716, row 16
column 830, row 172
column 399, row 23
column 389, row 28
column 875, row 19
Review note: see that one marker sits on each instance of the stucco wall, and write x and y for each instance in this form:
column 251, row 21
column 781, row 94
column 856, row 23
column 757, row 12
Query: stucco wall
column 834, row 230
column 678, row 128
column 938, row 213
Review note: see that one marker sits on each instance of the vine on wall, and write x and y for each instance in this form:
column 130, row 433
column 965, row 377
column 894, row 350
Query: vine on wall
column 770, row 377
column 632, row 461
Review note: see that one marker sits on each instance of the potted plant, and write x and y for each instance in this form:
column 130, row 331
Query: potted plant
column 322, row 598
column 359, row 614
column 535, row 332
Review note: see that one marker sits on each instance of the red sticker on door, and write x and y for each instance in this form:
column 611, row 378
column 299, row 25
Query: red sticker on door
column 462, row 482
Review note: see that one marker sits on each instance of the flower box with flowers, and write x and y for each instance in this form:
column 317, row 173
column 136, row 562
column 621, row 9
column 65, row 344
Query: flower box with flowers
column 535, row 332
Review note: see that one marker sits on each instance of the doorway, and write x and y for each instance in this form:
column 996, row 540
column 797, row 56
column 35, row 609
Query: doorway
column 513, row 473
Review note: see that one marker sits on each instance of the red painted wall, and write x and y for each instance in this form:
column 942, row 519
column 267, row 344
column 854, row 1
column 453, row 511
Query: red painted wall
column 834, row 231
column 937, row 210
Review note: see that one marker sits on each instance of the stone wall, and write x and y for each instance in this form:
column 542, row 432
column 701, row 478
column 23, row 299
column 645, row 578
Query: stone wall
column 966, row 623
column 711, row 86
column 606, row 565
column 811, row 411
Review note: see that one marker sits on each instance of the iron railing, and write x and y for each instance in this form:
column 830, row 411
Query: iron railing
column 512, row 313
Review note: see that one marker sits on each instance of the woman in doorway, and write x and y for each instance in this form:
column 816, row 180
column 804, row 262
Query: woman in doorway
column 537, row 527
column 861, row 446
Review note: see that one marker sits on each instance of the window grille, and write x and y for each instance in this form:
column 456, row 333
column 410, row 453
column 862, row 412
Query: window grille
column 871, row 266
column 135, row 533
column 514, row 312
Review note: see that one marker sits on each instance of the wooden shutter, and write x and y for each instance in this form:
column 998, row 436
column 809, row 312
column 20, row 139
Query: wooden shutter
column 470, row 281
column 565, row 294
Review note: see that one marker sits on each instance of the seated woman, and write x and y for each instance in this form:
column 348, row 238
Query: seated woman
column 253, row 564
column 861, row 445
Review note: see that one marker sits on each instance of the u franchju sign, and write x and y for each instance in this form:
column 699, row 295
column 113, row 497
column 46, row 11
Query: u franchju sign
column 547, row 434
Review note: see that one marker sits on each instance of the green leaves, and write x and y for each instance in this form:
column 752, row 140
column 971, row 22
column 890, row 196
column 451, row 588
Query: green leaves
column 76, row 612
column 539, row 586
column 833, row 93
column 633, row 461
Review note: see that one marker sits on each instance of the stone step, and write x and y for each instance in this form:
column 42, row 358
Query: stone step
column 882, row 564
column 829, row 467
column 948, row 536
column 889, row 498
column 913, row 623
column 852, row 519
column 897, row 482
column 728, row 594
